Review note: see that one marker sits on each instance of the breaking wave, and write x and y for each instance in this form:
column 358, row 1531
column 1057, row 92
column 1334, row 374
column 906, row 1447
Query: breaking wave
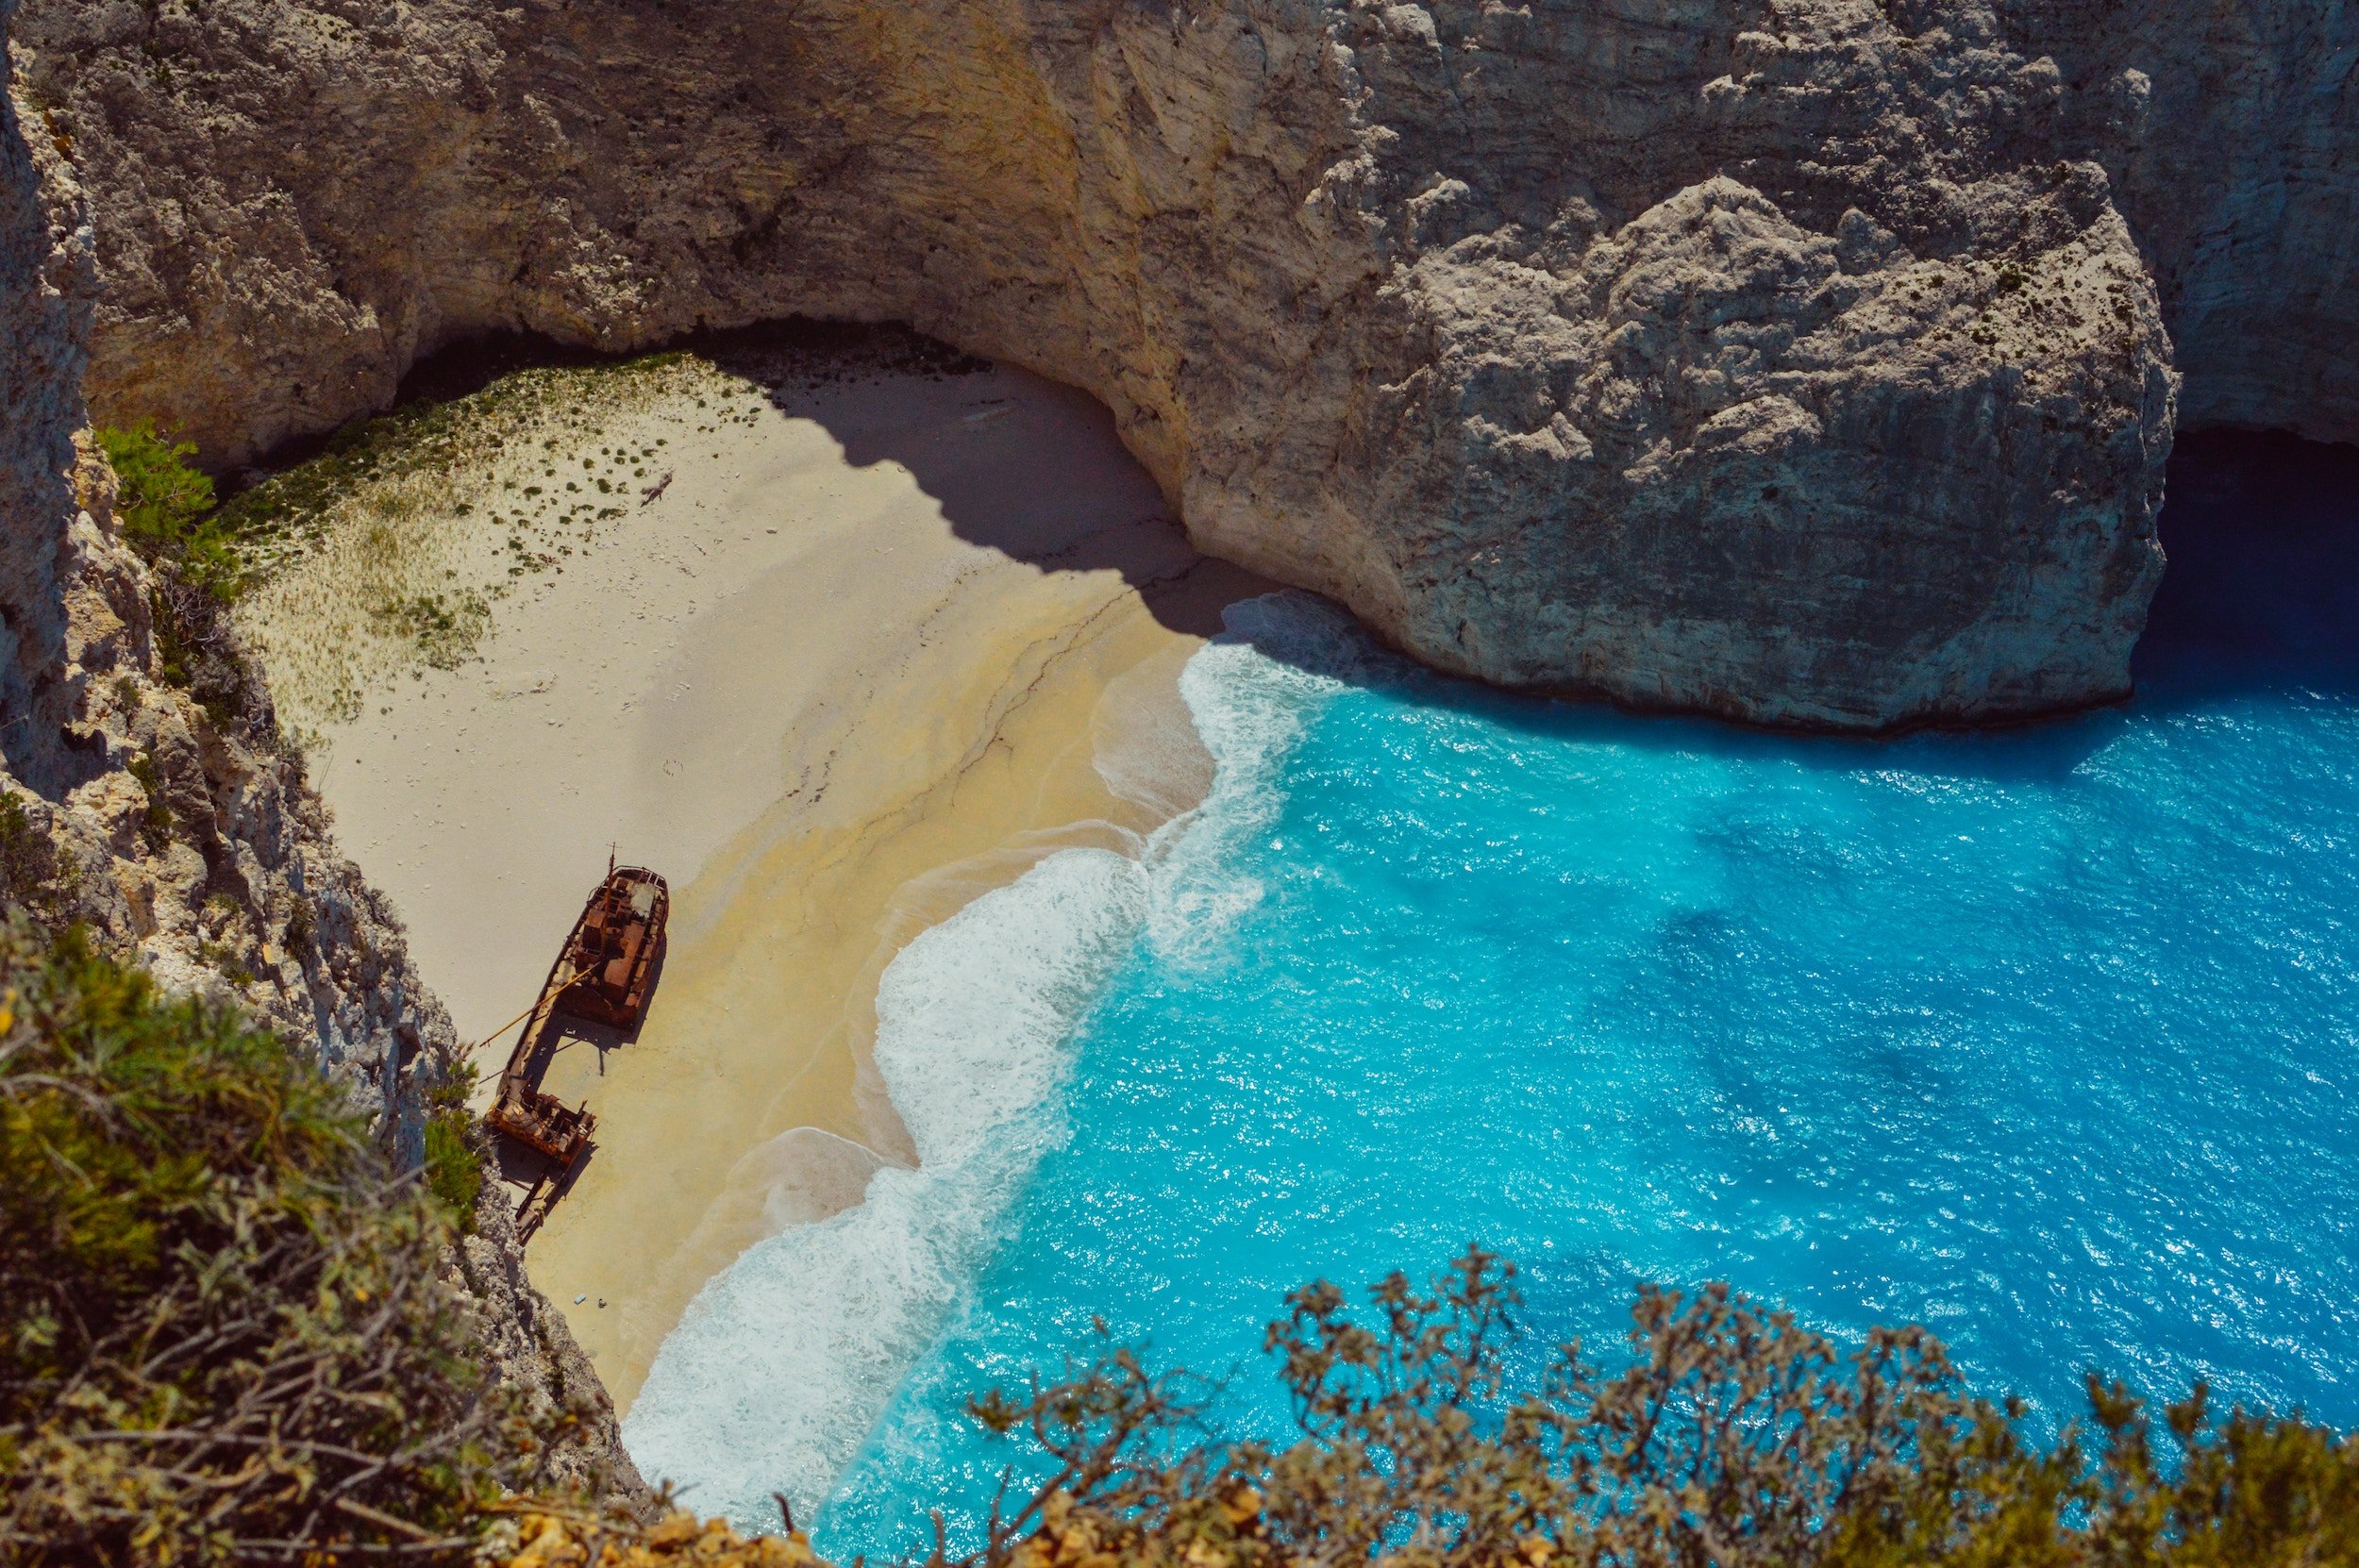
column 781, row 1364
column 2045, row 1039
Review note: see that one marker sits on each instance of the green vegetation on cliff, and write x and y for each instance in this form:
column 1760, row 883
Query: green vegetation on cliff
column 166, row 507
column 228, row 1334
column 198, row 562
column 454, row 1169
column 225, row 1334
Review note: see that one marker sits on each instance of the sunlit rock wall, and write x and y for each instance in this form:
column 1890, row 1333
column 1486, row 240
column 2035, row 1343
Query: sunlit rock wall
column 1799, row 361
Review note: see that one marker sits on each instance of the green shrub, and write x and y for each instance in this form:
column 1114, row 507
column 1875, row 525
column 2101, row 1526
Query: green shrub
column 24, row 858
column 155, row 821
column 454, row 1172
column 302, row 929
column 175, row 660
column 225, row 1332
column 166, row 507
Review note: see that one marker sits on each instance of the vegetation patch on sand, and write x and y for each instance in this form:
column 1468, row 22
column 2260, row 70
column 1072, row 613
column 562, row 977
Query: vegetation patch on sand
column 386, row 554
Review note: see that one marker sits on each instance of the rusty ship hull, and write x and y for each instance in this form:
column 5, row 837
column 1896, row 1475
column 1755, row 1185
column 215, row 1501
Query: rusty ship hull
column 604, row 974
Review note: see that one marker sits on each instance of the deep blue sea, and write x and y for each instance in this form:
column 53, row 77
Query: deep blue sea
column 2048, row 1039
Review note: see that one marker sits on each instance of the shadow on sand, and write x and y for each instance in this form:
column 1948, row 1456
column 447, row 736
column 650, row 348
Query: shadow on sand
column 1087, row 507
column 1082, row 506
column 2262, row 594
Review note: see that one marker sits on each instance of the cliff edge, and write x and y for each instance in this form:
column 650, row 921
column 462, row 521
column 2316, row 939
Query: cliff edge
column 181, row 831
column 1804, row 361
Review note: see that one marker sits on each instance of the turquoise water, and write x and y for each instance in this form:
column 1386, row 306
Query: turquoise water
column 2048, row 1039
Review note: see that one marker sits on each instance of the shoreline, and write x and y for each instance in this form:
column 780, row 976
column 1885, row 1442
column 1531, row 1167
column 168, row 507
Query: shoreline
column 795, row 925
column 881, row 640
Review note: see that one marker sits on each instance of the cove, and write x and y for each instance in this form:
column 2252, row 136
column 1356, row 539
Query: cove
column 2045, row 1039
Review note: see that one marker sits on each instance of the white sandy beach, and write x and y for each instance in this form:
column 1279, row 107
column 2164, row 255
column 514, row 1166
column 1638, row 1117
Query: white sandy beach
column 879, row 643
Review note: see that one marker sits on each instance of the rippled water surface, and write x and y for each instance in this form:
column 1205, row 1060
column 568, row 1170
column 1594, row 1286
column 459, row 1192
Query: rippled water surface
column 2045, row 1039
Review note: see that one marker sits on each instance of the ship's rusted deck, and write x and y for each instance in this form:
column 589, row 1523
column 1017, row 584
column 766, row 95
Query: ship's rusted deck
column 600, row 984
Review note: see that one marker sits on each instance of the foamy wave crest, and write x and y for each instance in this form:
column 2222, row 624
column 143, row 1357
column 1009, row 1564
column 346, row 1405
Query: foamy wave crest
column 1252, row 691
column 781, row 1364
column 779, row 1369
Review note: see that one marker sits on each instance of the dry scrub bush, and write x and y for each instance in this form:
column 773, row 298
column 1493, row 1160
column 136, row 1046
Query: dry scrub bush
column 225, row 1334
column 558, row 1537
column 1733, row 1439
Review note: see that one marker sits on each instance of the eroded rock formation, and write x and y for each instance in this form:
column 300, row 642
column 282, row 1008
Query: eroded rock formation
column 182, row 833
column 1801, row 361
column 2232, row 136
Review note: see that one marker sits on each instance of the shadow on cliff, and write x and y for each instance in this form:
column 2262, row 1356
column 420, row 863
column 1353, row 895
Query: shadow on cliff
column 2261, row 594
column 2261, row 598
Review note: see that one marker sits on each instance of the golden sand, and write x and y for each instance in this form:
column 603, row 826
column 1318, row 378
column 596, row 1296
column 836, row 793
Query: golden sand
column 877, row 647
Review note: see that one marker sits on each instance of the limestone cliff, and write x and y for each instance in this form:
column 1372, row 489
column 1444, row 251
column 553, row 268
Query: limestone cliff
column 1543, row 335
column 2232, row 137
column 1801, row 361
column 182, row 832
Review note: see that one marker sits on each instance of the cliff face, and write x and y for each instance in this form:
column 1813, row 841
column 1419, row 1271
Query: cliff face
column 47, row 281
column 1801, row 361
column 2232, row 135
column 182, row 835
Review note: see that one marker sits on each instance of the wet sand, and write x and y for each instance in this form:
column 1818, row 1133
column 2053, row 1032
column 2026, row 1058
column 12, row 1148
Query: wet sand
column 879, row 645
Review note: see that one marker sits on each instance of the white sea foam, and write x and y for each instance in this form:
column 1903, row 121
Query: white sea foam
column 782, row 1363
column 1251, row 691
